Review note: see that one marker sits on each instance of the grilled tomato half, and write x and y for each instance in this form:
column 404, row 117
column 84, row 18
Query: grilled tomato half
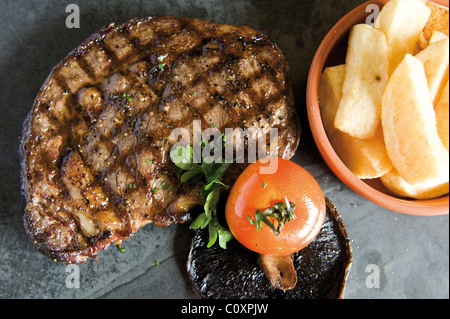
column 276, row 213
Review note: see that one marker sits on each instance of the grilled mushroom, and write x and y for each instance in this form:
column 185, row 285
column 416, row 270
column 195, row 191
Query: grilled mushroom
column 322, row 267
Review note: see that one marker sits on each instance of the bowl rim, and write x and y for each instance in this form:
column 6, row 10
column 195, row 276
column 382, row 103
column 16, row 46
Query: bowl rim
column 401, row 205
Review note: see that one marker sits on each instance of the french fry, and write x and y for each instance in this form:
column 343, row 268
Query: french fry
column 330, row 94
column 438, row 21
column 437, row 36
column 442, row 118
column 410, row 128
column 397, row 185
column 365, row 158
column 366, row 75
column 435, row 60
column 402, row 21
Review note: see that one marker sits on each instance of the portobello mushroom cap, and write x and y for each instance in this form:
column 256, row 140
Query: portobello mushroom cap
column 322, row 267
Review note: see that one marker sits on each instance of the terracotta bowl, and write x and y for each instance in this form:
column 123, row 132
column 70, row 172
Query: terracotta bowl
column 332, row 52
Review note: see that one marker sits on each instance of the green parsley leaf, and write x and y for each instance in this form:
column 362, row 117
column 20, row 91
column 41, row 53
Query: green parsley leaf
column 158, row 67
column 121, row 248
column 191, row 176
column 124, row 95
column 265, row 184
column 166, row 186
column 214, row 171
column 183, row 157
column 218, row 231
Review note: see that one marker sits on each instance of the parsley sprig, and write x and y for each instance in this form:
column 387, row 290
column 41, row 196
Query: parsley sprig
column 211, row 172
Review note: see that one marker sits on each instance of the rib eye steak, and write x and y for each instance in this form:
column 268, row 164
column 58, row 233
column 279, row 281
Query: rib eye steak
column 95, row 146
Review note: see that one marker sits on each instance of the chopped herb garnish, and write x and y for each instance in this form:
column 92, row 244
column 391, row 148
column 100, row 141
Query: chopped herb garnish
column 144, row 140
column 149, row 161
column 193, row 93
column 128, row 97
column 265, row 184
column 124, row 95
column 155, row 189
column 158, row 67
column 282, row 212
column 157, row 262
column 121, row 248
column 166, row 186
column 132, row 185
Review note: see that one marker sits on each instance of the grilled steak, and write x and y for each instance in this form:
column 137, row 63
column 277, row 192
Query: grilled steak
column 95, row 146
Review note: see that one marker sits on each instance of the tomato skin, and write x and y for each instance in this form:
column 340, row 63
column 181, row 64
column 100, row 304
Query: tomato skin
column 253, row 190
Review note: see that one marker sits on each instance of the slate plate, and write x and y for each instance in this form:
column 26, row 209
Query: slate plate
column 390, row 247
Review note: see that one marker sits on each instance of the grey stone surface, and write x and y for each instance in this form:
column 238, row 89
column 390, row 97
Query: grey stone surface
column 410, row 253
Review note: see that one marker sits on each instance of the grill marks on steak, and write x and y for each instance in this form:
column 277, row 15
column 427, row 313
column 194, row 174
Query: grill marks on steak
column 95, row 147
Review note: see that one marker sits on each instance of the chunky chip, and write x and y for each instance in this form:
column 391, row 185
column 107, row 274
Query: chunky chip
column 409, row 126
column 366, row 74
column 442, row 116
column 397, row 185
column 435, row 59
column 438, row 21
column 402, row 21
